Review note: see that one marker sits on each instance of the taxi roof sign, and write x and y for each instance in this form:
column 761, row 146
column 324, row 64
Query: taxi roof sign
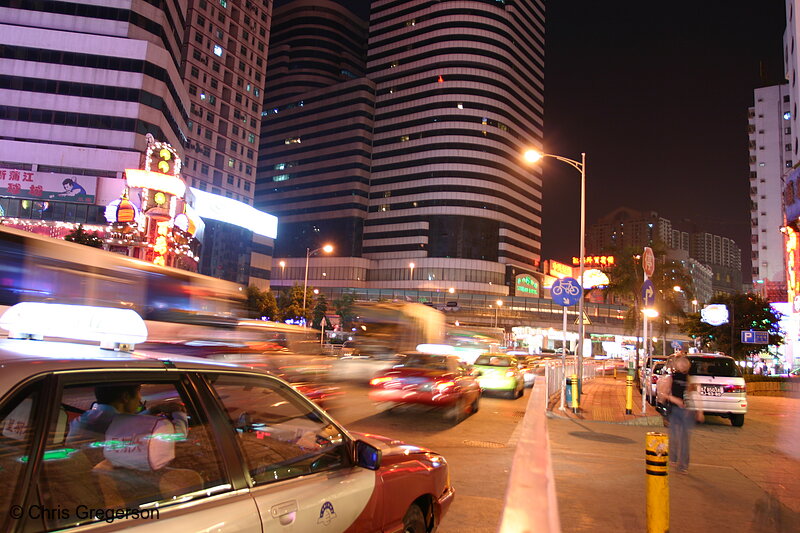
column 113, row 328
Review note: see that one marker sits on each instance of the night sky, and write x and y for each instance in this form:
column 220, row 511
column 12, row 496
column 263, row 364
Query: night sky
column 656, row 94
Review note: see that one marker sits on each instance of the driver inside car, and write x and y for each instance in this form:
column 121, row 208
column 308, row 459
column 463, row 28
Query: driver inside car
column 113, row 400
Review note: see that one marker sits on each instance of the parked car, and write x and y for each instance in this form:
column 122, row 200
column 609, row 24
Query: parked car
column 500, row 372
column 716, row 387
column 644, row 370
column 101, row 437
column 652, row 377
column 440, row 381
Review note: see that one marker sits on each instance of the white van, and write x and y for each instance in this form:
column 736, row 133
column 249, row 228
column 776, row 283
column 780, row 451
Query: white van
column 716, row 387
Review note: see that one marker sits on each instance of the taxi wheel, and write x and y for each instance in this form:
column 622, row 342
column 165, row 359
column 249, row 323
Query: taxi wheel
column 414, row 520
column 476, row 403
column 737, row 420
column 459, row 410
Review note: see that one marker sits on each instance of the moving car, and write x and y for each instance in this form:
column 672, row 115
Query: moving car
column 185, row 444
column 426, row 379
column 716, row 387
column 500, row 372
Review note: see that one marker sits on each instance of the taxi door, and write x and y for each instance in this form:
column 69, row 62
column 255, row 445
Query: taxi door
column 297, row 460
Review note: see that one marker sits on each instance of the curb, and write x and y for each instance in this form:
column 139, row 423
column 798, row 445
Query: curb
column 639, row 421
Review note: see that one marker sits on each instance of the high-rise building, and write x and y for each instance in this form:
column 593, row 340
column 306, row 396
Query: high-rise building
column 723, row 256
column 416, row 164
column 225, row 56
column 770, row 141
column 626, row 228
column 81, row 84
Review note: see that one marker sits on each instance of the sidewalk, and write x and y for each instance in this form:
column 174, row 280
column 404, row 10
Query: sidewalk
column 603, row 400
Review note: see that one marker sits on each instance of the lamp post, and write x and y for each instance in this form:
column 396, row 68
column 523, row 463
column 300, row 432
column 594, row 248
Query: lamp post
column 309, row 252
column 533, row 156
column 496, row 310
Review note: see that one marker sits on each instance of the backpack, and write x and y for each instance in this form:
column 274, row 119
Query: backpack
column 663, row 388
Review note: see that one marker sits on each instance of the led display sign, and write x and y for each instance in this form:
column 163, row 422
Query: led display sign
column 216, row 207
column 526, row 285
column 595, row 261
column 559, row 270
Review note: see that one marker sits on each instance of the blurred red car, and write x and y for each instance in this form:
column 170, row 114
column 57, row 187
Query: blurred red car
column 434, row 380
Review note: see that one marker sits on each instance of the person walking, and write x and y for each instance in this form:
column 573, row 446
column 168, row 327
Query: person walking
column 681, row 419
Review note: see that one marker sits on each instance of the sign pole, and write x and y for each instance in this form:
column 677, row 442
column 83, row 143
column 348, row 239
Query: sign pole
column 564, row 359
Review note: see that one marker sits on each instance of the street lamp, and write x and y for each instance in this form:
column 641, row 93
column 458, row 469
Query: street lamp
column 496, row 310
column 309, row 252
column 411, row 267
column 283, row 269
column 532, row 156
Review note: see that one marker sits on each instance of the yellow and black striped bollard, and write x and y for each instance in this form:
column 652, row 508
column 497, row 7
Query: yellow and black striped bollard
column 657, row 469
column 628, row 394
column 576, row 397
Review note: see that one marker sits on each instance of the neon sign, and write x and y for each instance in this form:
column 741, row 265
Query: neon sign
column 526, row 285
column 596, row 261
column 560, row 270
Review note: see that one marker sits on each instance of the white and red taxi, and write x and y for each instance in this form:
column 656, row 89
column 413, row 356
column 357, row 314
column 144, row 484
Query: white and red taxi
column 98, row 439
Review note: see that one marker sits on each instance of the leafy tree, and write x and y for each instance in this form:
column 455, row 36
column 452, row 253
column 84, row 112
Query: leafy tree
column 344, row 308
column 261, row 303
column 290, row 303
column 320, row 308
column 78, row 235
column 750, row 311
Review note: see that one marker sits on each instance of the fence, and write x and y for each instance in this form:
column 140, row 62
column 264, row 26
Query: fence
column 555, row 376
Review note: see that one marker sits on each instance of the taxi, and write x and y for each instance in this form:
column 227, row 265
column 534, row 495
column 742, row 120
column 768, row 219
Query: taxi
column 95, row 438
column 501, row 373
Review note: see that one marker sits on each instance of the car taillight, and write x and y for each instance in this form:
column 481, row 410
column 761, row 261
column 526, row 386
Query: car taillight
column 733, row 388
column 654, row 379
column 443, row 386
column 380, row 381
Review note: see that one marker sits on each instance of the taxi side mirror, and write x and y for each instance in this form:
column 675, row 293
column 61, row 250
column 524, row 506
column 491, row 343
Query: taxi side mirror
column 367, row 456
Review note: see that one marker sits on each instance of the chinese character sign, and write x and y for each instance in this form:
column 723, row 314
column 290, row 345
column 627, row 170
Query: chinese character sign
column 48, row 186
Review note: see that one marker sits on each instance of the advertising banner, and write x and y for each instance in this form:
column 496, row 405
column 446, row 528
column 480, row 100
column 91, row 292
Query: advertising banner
column 47, row 186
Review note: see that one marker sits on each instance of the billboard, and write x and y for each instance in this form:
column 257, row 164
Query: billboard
column 47, row 186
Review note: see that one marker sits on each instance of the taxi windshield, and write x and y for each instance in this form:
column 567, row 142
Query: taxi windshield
column 493, row 360
column 436, row 362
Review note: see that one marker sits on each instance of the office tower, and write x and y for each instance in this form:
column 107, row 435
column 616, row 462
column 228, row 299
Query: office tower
column 416, row 164
column 225, row 60
column 316, row 142
column 626, row 228
column 770, row 142
column 80, row 86
column 459, row 99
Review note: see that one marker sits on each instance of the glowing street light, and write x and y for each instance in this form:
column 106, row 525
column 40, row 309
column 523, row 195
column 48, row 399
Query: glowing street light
column 309, row 252
column 533, row 156
column 411, row 267
column 496, row 310
column 283, row 270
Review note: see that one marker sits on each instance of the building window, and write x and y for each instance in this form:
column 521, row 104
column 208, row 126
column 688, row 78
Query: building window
column 230, row 179
column 194, row 72
column 193, row 89
column 292, row 140
column 218, row 50
column 251, row 137
column 198, row 37
column 204, row 169
column 247, row 185
column 231, row 162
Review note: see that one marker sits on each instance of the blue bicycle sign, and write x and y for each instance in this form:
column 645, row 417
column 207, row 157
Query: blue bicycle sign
column 566, row 291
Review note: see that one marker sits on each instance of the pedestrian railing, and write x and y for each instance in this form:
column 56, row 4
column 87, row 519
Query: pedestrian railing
column 555, row 375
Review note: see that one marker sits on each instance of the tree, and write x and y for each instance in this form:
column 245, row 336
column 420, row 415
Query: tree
column 320, row 308
column 78, row 235
column 344, row 308
column 750, row 311
column 290, row 303
column 261, row 304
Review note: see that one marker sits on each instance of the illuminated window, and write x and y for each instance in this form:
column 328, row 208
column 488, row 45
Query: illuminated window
column 223, row 3
column 292, row 140
column 460, row 105
column 251, row 137
column 281, row 177
column 787, row 116
column 217, row 50
column 404, row 138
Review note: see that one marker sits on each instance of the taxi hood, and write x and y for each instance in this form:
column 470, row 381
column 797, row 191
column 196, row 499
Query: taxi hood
column 387, row 446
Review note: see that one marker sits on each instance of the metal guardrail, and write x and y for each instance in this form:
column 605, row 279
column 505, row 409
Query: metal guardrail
column 555, row 375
